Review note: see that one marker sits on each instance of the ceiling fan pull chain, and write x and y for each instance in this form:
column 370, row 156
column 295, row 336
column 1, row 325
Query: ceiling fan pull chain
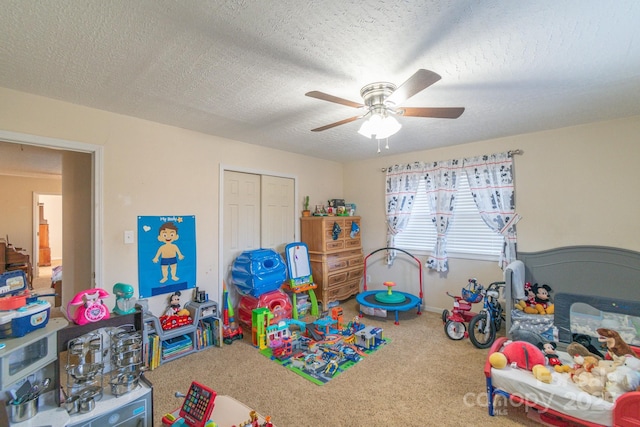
column 378, row 145
column 387, row 146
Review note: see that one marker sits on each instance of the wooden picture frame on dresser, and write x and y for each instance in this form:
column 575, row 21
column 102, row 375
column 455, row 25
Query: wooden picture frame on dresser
column 336, row 258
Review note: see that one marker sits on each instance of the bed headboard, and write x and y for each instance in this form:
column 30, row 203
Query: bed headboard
column 596, row 271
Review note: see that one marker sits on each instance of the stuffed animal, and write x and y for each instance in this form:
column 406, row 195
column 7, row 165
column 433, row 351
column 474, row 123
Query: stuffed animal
column 614, row 343
column 523, row 355
column 542, row 373
column 585, row 340
column 592, row 384
column 541, row 301
column 549, row 350
column 623, row 379
column 174, row 306
column 583, row 364
column 529, row 301
column 498, row 360
column 589, row 371
column 577, row 348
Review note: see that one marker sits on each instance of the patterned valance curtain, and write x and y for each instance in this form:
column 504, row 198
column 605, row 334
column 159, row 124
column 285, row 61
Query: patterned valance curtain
column 401, row 187
column 441, row 180
column 491, row 182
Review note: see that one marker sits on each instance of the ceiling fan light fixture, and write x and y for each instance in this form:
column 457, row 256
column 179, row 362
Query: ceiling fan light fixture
column 379, row 127
column 365, row 129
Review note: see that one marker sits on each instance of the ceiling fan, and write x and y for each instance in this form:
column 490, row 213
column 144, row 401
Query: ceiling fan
column 381, row 102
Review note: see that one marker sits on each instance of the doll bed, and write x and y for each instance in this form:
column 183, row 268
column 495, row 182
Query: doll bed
column 596, row 271
column 562, row 400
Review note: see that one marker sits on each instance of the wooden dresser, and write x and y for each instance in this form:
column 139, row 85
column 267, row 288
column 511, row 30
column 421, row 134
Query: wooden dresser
column 44, row 251
column 336, row 263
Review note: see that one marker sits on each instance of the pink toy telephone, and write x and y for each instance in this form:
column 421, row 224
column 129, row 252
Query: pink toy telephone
column 89, row 306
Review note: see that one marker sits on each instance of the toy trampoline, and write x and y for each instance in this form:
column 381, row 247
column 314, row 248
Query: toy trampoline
column 390, row 300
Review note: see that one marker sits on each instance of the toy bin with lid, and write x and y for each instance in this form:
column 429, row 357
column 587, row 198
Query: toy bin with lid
column 5, row 323
column 32, row 316
column 258, row 271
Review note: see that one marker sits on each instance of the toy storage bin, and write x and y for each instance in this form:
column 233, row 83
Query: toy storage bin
column 5, row 323
column 12, row 281
column 32, row 316
column 258, row 271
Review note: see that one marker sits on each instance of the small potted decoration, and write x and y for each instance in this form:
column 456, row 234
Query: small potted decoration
column 305, row 204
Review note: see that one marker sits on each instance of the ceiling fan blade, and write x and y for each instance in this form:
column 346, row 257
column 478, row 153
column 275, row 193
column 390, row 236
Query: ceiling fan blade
column 441, row 113
column 421, row 80
column 332, row 125
column 326, row 97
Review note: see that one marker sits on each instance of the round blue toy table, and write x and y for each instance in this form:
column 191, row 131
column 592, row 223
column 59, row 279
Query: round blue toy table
column 368, row 299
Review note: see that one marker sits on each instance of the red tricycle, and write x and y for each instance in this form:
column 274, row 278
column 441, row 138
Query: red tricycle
column 454, row 321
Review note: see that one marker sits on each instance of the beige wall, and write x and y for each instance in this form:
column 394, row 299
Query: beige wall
column 154, row 169
column 16, row 207
column 574, row 186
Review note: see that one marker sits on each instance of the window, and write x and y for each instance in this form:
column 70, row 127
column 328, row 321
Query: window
column 468, row 236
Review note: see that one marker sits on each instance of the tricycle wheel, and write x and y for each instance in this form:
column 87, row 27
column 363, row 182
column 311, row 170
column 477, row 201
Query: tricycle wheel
column 455, row 330
column 445, row 316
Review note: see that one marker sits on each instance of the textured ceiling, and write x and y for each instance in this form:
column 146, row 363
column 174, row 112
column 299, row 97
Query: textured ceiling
column 240, row 69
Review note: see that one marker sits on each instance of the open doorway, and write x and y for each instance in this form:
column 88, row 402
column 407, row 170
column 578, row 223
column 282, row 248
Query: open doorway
column 48, row 231
column 81, row 177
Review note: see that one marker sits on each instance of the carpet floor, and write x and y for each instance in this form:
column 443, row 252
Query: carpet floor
column 421, row 378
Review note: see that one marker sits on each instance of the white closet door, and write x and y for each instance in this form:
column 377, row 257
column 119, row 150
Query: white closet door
column 258, row 213
column 241, row 216
column 278, row 223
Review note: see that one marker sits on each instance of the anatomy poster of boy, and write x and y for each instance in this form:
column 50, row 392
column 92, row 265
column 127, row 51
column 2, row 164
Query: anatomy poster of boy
column 166, row 254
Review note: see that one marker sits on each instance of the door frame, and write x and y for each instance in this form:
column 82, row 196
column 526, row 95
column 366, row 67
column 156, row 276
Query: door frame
column 224, row 168
column 97, row 168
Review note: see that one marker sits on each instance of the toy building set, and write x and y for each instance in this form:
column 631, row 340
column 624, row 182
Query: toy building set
column 315, row 345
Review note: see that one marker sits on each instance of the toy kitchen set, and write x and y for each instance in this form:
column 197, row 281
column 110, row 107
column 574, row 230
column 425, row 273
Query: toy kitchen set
column 57, row 373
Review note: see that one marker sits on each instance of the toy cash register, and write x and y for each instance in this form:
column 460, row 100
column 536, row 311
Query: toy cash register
column 196, row 408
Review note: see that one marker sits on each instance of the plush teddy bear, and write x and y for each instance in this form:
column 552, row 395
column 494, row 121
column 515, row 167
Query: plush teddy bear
column 625, row 378
column 592, row 384
column 589, row 371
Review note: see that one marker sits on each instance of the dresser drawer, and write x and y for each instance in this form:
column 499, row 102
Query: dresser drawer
column 333, row 245
column 343, row 292
column 328, row 224
column 336, row 263
column 356, row 261
column 352, row 243
column 354, row 274
column 347, row 259
column 336, row 279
